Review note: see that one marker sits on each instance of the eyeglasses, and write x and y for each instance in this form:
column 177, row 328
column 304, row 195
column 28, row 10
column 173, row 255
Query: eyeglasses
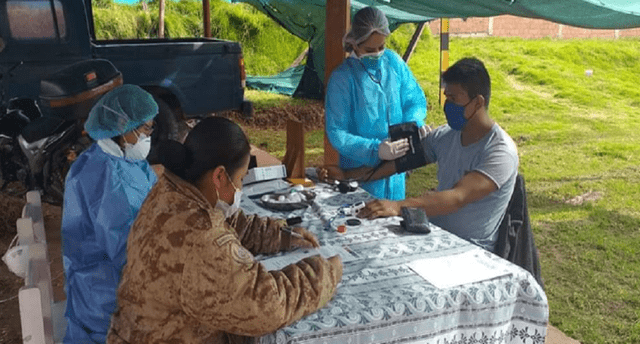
column 147, row 129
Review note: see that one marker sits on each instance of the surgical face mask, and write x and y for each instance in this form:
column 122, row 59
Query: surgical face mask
column 17, row 258
column 455, row 114
column 139, row 150
column 230, row 210
column 372, row 56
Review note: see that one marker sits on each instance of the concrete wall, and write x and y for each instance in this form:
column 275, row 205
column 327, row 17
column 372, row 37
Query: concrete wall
column 511, row 26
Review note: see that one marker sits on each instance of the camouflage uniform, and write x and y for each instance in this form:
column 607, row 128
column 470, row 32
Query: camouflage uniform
column 190, row 277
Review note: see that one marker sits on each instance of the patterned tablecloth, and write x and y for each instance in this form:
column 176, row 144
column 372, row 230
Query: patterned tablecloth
column 382, row 300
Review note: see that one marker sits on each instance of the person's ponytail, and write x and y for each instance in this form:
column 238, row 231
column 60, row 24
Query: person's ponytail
column 213, row 142
column 175, row 157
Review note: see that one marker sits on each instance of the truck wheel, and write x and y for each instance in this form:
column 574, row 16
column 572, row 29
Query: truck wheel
column 168, row 126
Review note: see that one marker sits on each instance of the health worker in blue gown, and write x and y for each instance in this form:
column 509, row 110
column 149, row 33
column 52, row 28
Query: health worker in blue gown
column 370, row 91
column 104, row 190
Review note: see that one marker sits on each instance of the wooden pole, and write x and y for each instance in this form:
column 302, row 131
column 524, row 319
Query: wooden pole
column 413, row 42
column 299, row 59
column 338, row 18
column 161, row 20
column 206, row 17
column 444, row 53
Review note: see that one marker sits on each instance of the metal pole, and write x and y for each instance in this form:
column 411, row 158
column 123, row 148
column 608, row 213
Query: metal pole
column 55, row 19
column 444, row 53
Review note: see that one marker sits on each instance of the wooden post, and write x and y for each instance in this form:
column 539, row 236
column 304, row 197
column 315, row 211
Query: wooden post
column 161, row 20
column 294, row 157
column 338, row 18
column 413, row 42
column 444, row 53
column 206, row 17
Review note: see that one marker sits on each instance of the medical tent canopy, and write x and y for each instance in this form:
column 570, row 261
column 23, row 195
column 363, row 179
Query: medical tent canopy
column 306, row 18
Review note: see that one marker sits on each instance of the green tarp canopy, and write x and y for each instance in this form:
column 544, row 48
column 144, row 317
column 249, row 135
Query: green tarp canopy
column 306, row 19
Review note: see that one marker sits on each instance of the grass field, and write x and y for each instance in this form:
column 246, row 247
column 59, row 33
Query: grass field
column 579, row 148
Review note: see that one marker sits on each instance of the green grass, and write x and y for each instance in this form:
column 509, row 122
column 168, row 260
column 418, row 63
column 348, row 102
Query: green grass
column 575, row 135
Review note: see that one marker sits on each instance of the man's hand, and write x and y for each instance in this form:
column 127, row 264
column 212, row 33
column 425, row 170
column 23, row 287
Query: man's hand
column 302, row 238
column 380, row 208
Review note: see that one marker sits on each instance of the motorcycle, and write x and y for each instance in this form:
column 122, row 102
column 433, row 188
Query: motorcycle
column 40, row 139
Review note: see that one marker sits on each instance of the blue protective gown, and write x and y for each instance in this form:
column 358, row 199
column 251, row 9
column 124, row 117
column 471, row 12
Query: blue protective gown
column 363, row 99
column 103, row 194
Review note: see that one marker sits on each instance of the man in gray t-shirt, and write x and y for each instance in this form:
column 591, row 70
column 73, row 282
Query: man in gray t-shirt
column 477, row 163
column 494, row 157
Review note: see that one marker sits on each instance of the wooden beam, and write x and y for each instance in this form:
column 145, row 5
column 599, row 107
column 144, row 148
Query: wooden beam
column 413, row 42
column 206, row 17
column 338, row 18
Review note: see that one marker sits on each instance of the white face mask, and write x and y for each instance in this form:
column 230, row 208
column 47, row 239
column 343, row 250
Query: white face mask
column 17, row 258
column 139, row 150
column 230, row 210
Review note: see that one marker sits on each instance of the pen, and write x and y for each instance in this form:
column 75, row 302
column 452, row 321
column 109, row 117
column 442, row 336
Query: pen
column 292, row 233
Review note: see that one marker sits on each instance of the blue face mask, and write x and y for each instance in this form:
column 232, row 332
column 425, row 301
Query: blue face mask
column 455, row 115
column 371, row 60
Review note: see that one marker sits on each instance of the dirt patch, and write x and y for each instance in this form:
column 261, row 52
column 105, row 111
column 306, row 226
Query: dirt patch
column 310, row 114
column 10, row 284
column 588, row 197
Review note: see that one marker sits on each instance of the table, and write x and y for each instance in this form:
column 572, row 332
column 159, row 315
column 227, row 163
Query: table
column 382, row 300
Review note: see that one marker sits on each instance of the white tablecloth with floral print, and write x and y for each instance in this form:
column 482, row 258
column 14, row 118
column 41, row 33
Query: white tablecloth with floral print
column 381, row 300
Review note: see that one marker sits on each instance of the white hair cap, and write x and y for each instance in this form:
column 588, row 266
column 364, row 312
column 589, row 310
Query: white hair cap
column 366, row 21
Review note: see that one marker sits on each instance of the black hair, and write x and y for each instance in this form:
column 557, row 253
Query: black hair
column 215, row 141
column 471, row 74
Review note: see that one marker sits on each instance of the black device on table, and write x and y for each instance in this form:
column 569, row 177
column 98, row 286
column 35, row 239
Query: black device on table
column 414, row 220
column 345, row 186
column 416, row 156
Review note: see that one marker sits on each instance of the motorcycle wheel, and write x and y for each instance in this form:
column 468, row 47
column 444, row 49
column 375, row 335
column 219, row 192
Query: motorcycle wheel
column 55, row 170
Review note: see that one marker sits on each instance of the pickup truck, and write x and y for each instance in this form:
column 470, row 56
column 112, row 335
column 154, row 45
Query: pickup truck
column 190, row 78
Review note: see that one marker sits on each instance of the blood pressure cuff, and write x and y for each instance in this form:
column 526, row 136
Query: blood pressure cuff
column 416, row 156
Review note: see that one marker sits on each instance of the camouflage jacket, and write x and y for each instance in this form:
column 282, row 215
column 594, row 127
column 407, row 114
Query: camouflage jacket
column 191, row 278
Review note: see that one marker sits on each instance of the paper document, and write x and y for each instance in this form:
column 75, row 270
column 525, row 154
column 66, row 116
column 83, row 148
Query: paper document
column 472, row 266
column 287, row 258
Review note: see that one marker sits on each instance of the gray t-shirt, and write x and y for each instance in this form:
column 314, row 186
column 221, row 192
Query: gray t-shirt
column 495, row 156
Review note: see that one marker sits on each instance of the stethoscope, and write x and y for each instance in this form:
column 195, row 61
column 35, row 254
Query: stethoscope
column 384, row 94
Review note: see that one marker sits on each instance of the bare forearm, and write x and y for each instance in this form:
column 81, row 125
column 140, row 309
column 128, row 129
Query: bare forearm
column 435, row 203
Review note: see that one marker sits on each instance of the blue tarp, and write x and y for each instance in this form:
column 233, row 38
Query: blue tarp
column 283, row 83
